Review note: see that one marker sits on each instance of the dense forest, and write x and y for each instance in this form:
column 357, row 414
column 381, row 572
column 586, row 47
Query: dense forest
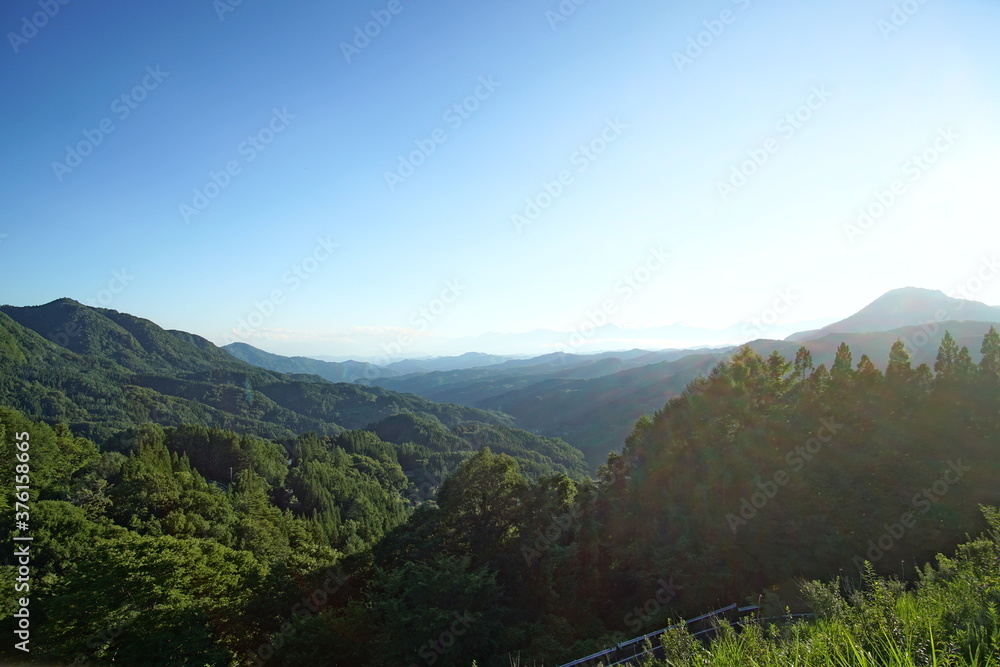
column 439, row 535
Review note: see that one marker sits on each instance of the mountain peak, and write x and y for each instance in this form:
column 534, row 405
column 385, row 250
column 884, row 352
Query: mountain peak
column 903, row 307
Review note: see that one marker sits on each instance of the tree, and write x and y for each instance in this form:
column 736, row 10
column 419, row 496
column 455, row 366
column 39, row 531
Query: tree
column 989, row 365
column 444, row 612
column 946, row 365
column 965, row 369
column 482, row 503
column 777, row 369
column 843, row 363
column 819, row 380
column 803, row 364
column 867, row 373
column 899, row 370
column 152, row 600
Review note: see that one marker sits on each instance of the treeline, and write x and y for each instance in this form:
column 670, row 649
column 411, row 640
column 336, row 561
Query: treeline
column 193, row 544
column 100, row 372
column 836, row 467
column 408, row 543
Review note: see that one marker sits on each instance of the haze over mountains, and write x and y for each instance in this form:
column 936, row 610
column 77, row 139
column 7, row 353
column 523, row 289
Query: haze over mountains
column 593, row 400
column 432, row 475
column 100, row 372
column 585, row 338
column 138, row 370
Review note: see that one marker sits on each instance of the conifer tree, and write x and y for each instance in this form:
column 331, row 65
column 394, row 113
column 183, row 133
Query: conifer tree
column 803, row 364
column 899, row 370
column 843, row 363
column 989, row 365
column 947, row 358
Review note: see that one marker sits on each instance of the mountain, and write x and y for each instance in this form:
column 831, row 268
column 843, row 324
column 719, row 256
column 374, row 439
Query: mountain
column 345, row 371
column 469, row 386
column 110, row 370
column 101, row 370
column 462, row 361
column 592, row 401
column 907, row 306
column 597, row 414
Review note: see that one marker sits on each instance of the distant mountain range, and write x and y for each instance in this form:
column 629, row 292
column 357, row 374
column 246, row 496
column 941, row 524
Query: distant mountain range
column 429, row 364
column 101, row 371
column 593, row 400
column 334, row 371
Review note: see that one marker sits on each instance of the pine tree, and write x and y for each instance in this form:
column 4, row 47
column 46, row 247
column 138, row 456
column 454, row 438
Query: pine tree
column 803, row 364
column 867, row 372
column 989, row 365
column 965, row 369
column 843, row 364
column 899, row 369
column 946, row 364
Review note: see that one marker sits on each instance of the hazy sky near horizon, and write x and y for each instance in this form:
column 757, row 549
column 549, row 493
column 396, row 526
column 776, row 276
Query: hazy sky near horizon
column 268, row 172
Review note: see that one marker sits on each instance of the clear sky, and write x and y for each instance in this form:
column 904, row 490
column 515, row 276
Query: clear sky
column 269, row 173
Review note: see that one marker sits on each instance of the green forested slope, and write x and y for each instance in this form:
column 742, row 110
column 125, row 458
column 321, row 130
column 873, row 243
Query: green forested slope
column 101, row 371
column 400, row 544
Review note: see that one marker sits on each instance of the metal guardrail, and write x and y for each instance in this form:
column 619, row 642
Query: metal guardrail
column 656, row 634
column 651, row 635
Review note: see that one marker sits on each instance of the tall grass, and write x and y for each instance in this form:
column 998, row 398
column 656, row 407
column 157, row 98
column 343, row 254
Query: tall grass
column 949, row 618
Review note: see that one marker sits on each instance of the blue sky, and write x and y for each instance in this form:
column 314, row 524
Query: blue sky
column 803, row 112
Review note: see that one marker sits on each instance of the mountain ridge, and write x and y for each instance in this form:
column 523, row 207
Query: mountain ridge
column 902, row 307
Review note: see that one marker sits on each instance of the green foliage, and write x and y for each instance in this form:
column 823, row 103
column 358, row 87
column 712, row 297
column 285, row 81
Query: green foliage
column 949, row 618
column 131, row 597
column 429, row 537
column 440, row 612
column 101, row 371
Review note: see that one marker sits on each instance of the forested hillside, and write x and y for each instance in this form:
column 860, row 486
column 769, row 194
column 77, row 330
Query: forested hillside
column 347, row 371
column 101, row 371
column 409, row 543
column 593, row 404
